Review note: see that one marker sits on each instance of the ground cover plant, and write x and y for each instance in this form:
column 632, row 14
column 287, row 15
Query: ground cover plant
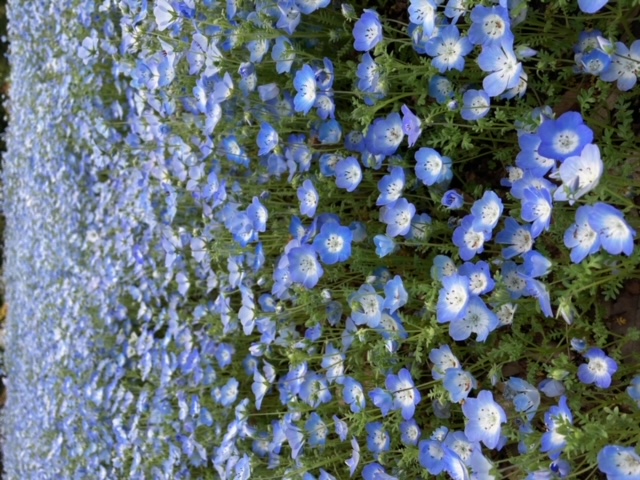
column 312, row 239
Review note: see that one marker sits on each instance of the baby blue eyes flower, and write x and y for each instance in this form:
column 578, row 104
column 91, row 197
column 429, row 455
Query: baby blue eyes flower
column 410, row 433
column 580, row 237
column 367, row 31
column 410, row 125
column 487, row 211
column 591, row 6
column 536, row 208
column 615, row 235
column 348, row 174
column 441, row 89
column 405, row 395
column 431, row 167
column 385, row 135
column 282, row 53
column 378, row 440
column 443, row 359
column 391, row 186
column 398, row 216
column 448, row 49
column 619, row 462
column 517, row 236
column 633, row 390
column 395, row 294
column 470, row 239
column 353, row 394
column 490, row 26
column 304, row 267
column 452, row 200
column 484, row 419
column 503, row 68
column 333, row 244
column 564, row 137
column 453, row 298
column 458, row 383
column 624, row 66
column 267, row 139
column 475, row 105
column 309, row 199
column 384, row 245
column 553, row 442
column 476, row 318
column 305, row 85
column 423, row 13
column 599, row 369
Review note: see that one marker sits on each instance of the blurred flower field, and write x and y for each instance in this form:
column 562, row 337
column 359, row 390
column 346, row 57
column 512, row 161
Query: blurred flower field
column 307, row 239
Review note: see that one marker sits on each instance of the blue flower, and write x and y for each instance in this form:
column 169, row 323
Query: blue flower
column 619, row 462
column 391, row 186
column 423, row 13
column 410, row 125
column 282, row 53
column 487, row 211
column 353, row 394
column 580, row 237
column 420, row 227
column 579, row 174
column 353, row 462
column 410, row 433
column 599, row 369
column 397, row 216
column 314, row 391
column 381, row 399
column 443, row 360
column 453, row 298
column 616, row 236
column 348, row 174
column 342, row 429
column 317, row 431
column 475, row 105
column 441, row 89
column 469, row 239
column 378, row 440
column 395, row 294
column 484, row 419
column 333, row 244
column 491, row 26
column 458, row 383
column 432, row 456
column 405, row 395
column 479, row 275
column 536, row 208
column 366, row 306
column 564, row 137
column 384, row 245
column 503, row 66
column 305, row 85
column 525, row 397
column 367, row 31
column 290, row 16
column 591, row 6
column 476, row 318
column 267, row 139
column 385, row 135
column 624, row 66
column 633, row 390
column 529, row 158
column 304, row 267
column 448, row 49
column 517, row 236
column 553, row 442
column 431, row 167
column 309, row 198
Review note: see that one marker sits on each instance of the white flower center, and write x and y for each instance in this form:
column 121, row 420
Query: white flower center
column 566, row 141
column 493, row 26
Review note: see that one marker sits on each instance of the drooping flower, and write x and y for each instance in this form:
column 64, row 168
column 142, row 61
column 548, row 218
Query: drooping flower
column 305, row 85
column 309, row 199
column 411, row 125
column 553, row 442
column 391, row 186
column 580, row 237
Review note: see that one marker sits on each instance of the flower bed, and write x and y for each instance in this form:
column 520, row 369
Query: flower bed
column 305, row 239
